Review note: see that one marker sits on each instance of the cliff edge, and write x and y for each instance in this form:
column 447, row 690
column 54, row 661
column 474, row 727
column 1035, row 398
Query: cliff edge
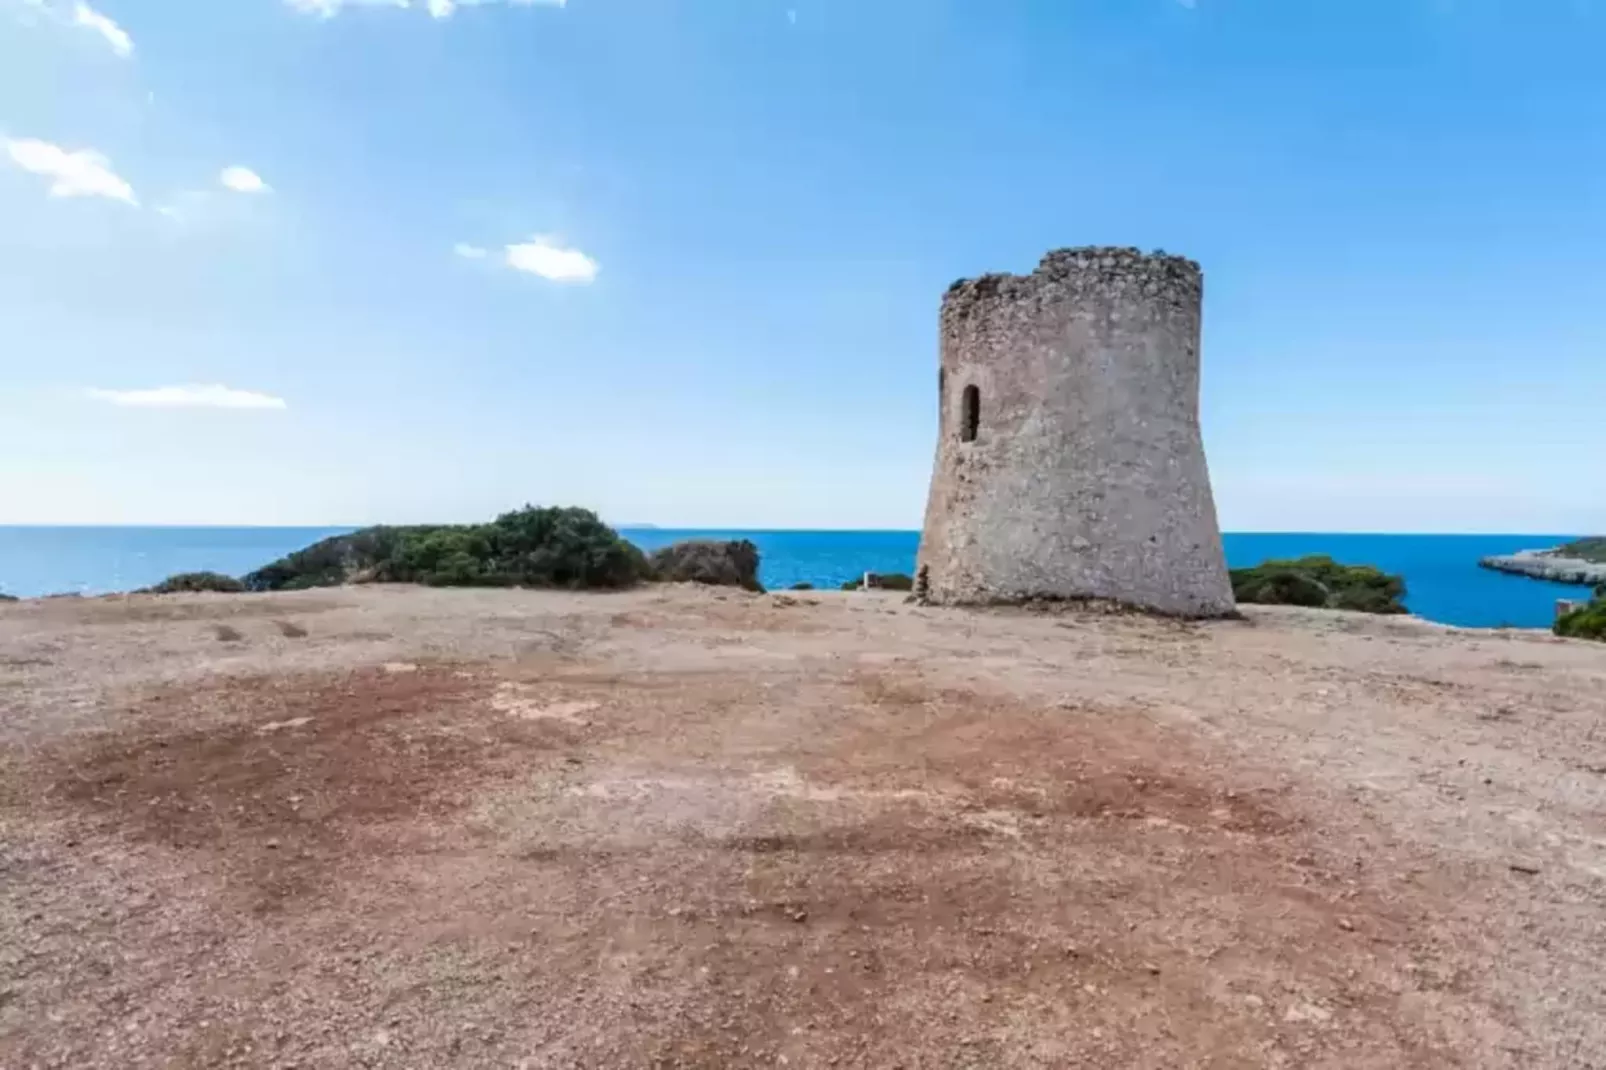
column 1581, row 561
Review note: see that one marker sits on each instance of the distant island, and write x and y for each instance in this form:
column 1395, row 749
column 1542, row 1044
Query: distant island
column 1582, row 561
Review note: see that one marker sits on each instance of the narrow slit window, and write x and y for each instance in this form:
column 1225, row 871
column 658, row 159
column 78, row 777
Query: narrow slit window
column 970, row 414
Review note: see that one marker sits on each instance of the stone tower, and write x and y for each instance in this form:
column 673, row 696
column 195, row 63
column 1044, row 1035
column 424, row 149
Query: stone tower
column 1069, row 460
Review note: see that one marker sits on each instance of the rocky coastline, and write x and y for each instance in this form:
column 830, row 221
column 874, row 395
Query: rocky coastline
column 1550, row 565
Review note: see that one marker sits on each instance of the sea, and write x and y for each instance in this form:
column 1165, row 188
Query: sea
column 1443, row 580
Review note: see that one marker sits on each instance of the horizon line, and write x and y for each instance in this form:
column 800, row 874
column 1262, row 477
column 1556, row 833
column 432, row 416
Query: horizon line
column 733, row 529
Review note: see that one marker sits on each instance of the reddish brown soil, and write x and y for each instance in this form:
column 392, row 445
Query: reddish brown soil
column 681, row 830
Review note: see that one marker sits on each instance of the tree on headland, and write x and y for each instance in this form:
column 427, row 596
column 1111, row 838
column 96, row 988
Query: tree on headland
column 530, row 547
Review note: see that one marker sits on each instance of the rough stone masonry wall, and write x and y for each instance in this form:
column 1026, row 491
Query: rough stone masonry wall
column 1087, row 476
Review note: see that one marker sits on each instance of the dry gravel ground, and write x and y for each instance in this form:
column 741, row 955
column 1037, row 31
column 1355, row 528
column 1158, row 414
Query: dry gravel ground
column 685, row 828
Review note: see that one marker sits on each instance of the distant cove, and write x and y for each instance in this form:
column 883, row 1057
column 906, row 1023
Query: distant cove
column 1441, row 571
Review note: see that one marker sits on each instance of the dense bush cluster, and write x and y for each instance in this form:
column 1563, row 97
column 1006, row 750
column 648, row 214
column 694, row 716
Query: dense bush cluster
column 1321, row 582
column 1586, row 622
column 723, row 564
column 188, row 582
column 530, row 547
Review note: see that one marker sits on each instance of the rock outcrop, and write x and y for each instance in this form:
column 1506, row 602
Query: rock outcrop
column 1553, row 565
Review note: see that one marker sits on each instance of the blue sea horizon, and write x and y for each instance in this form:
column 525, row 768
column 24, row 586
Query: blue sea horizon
column 1441, row 572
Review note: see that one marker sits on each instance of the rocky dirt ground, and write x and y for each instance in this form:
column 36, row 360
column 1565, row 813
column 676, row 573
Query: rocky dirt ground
column 686, row 828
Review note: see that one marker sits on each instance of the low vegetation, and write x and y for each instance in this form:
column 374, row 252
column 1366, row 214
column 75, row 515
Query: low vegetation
column 191, row 582
column 365, row 554
column 1585, row 622
column 1320, row 582
column 722, row 564
column 882, row 581
column 1590, row 549
column 530, row 547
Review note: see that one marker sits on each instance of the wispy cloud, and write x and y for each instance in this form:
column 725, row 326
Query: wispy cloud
column 440, row 9
column 87, row 17
column 538, row 256
column 328, row 9
column 243, row 180
column 469, row 252
column 192, row 396
column 80, row 173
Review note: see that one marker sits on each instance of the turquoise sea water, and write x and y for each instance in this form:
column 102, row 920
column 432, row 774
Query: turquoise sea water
column 1441, row 571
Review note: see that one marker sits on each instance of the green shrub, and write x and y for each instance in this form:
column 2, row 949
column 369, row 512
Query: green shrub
column 805, row 586
column 710, row 561
column 335, row 560
column 1592, row 548
column 444, row 557
column 883, row 581
column 1587, row 622
column 562, row 547
column 7, row 597
column 1280, row 587
column 1320, row 582
column 1365, row 600
column 186, row 582
column 529, row 547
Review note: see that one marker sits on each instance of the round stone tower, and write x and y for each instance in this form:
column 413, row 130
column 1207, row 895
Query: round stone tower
column 1069, row 460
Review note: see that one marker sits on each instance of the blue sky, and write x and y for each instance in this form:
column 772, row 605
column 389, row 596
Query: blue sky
column 707, row 239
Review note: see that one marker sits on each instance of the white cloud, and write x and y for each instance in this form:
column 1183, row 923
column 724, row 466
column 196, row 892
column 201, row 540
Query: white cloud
column 193, row 396
column 243, row 180
column 540, row 257
column 791, row 15
column 469, row 252
column 87, row 17
column 84, row 173
column 440, row 9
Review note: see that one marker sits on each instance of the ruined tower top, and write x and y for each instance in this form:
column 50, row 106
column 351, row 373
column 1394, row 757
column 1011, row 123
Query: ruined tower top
column 1088, row 271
